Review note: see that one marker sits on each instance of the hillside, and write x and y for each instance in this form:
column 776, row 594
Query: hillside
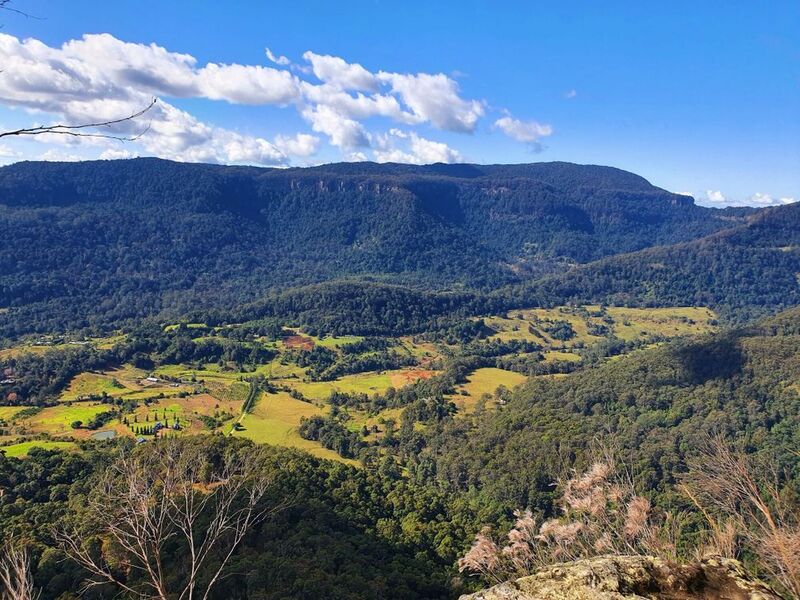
column 655, row 405
column 744, row 271
column 98, row 243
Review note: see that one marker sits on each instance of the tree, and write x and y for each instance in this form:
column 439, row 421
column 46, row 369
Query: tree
column 16, row 582
column 168, row 492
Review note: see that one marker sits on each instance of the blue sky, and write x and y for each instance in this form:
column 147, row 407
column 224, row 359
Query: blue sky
column 698, row 97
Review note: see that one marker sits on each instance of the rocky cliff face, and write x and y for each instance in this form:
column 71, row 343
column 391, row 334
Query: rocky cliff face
column 633, row 578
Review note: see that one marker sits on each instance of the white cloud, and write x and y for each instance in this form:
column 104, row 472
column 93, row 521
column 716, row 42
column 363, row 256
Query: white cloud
column 523, row 131
column 242, row 84
column 415, row 149
column 54, row 155
column 342, row 131
column 278, row 60
column 98, row 77
column 116, row 154
column 6, row 152
column 570, row 94
column 338, row 72
column 302, row 144
column 759, row 199
column 435, row 98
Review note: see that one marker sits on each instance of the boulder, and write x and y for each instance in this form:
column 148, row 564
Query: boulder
column 633, row 578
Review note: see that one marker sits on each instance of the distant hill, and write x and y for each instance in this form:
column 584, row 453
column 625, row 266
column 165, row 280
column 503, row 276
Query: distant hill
column 750, row 269
column 96, row 243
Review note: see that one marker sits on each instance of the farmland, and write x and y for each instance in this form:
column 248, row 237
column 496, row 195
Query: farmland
column 291, row 381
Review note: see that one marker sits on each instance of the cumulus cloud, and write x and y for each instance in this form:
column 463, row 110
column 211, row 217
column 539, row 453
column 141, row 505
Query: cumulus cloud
column 523, row 131
column 6, row 152
column 54, row 155
column 301, row 144
column 342, row 131
column 338, row 72
column 435, row 98
column 759, row 199
column 408, row 147
column 99, row 77
column 116, row 154
column 715, row 197
column 569, row 95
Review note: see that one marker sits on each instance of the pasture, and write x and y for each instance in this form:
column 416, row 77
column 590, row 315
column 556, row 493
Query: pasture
column 361, row 383
column 483, row 381
column 21, row 449
column 275, row 420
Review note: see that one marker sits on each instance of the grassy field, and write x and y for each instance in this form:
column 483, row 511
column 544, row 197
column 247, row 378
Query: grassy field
column 336, row 341
column 7, row 412
column 560, row 356
column 21, row 450
column 625, row 323
column 360, row 419
column 57, row 419
column 483, row 381
column 275, row 419
column 92, row 384
column 360, row 383
column 632, row 323
column 126, row 382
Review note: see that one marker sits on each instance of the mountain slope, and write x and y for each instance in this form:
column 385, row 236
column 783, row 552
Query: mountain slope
column 655, row 406
column 96, row 243
column 744, row 271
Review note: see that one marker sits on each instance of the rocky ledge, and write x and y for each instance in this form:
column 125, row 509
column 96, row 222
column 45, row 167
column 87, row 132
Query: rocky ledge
column 633, row 578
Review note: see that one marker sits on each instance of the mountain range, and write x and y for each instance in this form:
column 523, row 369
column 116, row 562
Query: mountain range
column 97, row 244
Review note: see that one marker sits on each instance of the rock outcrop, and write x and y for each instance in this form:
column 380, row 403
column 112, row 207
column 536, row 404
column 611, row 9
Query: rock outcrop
column 633, row 578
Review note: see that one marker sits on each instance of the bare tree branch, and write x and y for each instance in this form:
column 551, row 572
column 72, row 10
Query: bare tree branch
column 4, row 5
column 16, row 582
column 163, row 492
column 78, row 130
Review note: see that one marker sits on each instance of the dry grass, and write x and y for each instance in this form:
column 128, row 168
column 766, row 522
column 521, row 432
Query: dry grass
column 744, row 500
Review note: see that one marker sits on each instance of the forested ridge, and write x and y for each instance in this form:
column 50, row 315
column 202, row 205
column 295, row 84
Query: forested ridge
column 744, row 272
column 102, row 243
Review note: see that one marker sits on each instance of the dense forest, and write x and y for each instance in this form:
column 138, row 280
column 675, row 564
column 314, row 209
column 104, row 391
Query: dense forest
column 745, row 271
column 97, row 244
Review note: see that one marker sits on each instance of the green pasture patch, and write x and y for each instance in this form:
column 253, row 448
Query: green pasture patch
column 57, row 419
column 483, row 381
column 275, row 420
column 92, row 384
column 21, row 449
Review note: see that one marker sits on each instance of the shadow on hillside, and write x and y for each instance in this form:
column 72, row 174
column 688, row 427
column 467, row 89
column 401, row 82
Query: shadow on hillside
column 714, row 358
